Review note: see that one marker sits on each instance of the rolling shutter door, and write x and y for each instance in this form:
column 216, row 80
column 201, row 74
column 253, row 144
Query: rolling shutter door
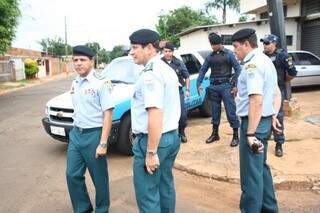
column 311, row 36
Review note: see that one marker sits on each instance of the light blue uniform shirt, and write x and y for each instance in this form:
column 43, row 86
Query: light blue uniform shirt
column 158, row 87
column 91, row 96
column 258, row 76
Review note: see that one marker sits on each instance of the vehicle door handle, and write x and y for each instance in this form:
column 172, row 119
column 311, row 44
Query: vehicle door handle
column 303, row 68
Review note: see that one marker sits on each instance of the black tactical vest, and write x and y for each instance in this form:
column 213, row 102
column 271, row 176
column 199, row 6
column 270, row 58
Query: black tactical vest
column 220, row 65
column 175, row 65
column 277, row 58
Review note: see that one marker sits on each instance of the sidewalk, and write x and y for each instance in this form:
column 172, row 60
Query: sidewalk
column 299, row 168
column 6, row 87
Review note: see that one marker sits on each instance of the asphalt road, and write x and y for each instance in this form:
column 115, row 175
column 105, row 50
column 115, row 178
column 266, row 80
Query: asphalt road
column 32, row 168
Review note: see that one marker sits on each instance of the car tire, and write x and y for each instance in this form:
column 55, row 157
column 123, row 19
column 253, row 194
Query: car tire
column 205, row 108
column 125, row 140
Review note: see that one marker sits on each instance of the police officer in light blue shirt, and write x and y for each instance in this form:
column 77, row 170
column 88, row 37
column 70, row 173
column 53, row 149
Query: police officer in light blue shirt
column 257, row 90
column 155, row 112
column 93, row 103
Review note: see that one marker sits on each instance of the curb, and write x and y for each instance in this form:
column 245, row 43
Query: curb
column 281, row 182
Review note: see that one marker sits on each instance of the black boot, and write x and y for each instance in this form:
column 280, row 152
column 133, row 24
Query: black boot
column 235, row 138
column 214, row 135
column 278, row 150
column 182, row 135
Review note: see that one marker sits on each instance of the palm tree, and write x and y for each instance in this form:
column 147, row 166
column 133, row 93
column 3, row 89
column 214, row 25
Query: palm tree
column 223, row 4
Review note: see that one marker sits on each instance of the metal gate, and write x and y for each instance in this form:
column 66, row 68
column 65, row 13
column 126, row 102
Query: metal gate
column 311, row 36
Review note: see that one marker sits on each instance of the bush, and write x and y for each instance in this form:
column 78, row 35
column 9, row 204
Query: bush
column 31, row 68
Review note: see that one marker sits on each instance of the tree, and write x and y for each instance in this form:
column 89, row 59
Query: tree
column 175, row 21
column 104, row 56
column 223, row 4
column 117, row 51
column 55, row 46
column 243, row 18
column 9, row 10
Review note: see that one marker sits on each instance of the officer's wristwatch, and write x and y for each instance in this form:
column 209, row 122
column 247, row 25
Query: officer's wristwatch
column 151, row 152
column 103, row 145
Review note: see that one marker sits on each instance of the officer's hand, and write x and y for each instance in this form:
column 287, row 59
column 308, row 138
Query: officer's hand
column 255, row 144
column 101, row 151
column 187, row 94
column 234, row 91
column 276, row 125
column 199, row 89
column 152, row 163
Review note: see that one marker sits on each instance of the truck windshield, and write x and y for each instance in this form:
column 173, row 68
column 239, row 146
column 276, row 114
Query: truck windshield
column 122, row 70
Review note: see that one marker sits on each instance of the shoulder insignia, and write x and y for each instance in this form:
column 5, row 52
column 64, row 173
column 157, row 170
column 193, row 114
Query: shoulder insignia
column 250, row 66
column 108, row 84
column 290, row 61
column 148, row 67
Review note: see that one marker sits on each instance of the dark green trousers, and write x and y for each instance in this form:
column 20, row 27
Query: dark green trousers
column 256, row 180
column 80, row 156
column 155, row 193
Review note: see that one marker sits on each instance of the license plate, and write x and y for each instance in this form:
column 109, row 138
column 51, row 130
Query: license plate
column 57, row 130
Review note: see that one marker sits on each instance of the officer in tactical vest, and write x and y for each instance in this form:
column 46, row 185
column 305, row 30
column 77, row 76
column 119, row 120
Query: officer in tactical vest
column 286, row 72
column 223, row 86
column 183, row 76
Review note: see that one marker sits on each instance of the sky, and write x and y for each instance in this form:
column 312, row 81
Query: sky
column 109, row 23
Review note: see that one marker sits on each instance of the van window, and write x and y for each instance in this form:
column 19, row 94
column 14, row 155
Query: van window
column 192, row 63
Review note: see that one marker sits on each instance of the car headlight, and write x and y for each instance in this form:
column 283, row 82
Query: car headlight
column 47, row 111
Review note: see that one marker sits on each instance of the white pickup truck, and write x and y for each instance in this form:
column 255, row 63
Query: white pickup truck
column 123, row 73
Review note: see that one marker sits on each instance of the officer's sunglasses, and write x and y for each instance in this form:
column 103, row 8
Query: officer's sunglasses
column 266, row 43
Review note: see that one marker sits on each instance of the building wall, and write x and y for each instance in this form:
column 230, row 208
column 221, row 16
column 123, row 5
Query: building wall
column 199, row 40
column 248, row 5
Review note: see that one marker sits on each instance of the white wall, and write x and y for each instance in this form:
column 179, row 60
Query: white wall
column 199, row 40
column 248, row 5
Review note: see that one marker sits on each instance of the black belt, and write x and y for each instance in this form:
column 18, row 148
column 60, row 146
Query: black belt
column 246, row 117
column 219, row 81
column 144, row 134
column 80, row 129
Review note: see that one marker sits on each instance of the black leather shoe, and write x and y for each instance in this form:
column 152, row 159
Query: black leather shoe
column 278, row 150
column 213, row 137
column 235, row 141
column 183, row 138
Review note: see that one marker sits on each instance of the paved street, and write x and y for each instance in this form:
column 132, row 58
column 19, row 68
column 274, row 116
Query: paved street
column 32, row 168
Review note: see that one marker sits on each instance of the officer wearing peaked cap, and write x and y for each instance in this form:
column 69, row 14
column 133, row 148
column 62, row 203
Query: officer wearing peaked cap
column 286, row 72
column 93, row 103
column 154, row 123
column 221, row 61
column 257, row 102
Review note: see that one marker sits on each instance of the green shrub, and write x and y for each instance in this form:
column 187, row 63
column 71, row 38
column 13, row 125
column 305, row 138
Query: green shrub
column 31, row 68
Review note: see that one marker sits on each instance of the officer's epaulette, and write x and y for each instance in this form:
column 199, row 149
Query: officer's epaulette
column 98, row 75
column 148, row 67
column 250, row 66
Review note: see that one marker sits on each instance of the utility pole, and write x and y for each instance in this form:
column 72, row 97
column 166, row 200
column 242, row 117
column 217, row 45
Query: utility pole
column 277, row 27
column 65, row 37
column 276, row 21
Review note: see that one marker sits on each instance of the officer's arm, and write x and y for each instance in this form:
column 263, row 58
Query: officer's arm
column 289, row 67
column 277, row 101
column 185, row 74
column 236, row 66
column 107, row 123
column 255, row 79
column 154, row 128
column 153, row 93
column 107, row 105
column 204, row 68
column 255, row 111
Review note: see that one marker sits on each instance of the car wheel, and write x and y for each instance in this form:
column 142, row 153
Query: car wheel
column 205, row 108
column 125, row 140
